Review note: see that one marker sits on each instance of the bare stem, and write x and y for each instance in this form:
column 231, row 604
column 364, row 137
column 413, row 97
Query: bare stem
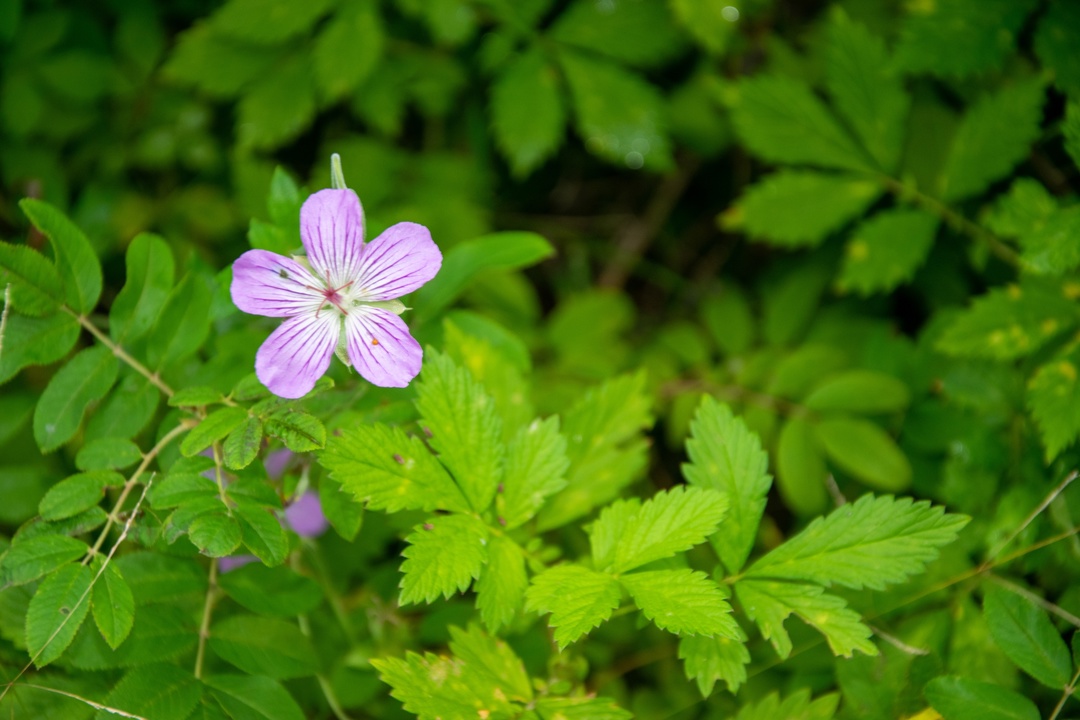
column 1030, row 518
column 4, row 316
column 120, row 352
column 1065, row 695
column 208, row 611
column 91, row 703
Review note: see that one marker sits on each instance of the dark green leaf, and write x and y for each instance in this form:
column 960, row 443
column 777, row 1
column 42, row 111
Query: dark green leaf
column 528, row 116
column 213, row 428
column 110, row 453
column 37, row 289
column 299, row 431
column 958, row 698
column 150, row 275
column 262, row 533
column 162, row 692
column 84, row 380
column 182, row 325
column 1024, row 632
column 76, row 262
column 77, row 493
column 863, row 449
column 253, row 698
column 36, row 341
column 216, row 534
column 56, row 611
column 200, row 396
column 242, row 445
column 27, row 560
column 264, row 646
column 112, row 603
column 271, row 591
column 886, row 250
column 633, row 32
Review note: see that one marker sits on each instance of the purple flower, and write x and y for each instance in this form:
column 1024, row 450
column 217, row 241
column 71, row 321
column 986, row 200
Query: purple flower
column 305, row 516
column 341, row 298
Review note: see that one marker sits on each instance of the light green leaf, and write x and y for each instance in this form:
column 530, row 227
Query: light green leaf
column 708, row 659
column 149, row 279
column 500, row 591
column 995, row 134
column 1024, row 632
column 181, row 488
column 435, row 687
column 110, row 453
column 1053, row 396
column 726, row 456
column 859, row 391
column 299, row 431
column 636, row 32
column 262, row 533
column 463, row 426
column 36, row 287
column 267, row 21
column 216, row 534
column 800, row 208
column 253, row 698
column 278, row 591
column 584, row 707
column 683, row 602
column 347, row 49
column 536, row 465
column 112, row 603
column 384, row 468
column 36, row 341
column 277, row 106
column 76, row 262
column 183, row 323
column 77, row 493
column 872, row 542
column 867, row 452
column 27, row 560
column 800, row 468
column 213, row 428
column 486, row 655
column 242, row 445
column 769, row 603
column 618, row 115
column 958, row 698
column 84, row 380
column 796, row 706
column 444, row 556
column 528, row 117
column 886, row 250
column 578, row 599
column 705, row 21
column 159, row 691
column 56, row 611
column 780, row 119
column 264, row 646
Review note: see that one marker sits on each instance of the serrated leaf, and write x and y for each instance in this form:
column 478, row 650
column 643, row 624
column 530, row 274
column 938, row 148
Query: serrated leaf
column 253, row 698
column 77, row 493
column 36, row 341
column 261, row 532
column 579, row 599
column 348, row 49
column 27, row 560
column 796, row 706
column 536, row 465
column 995, row 134
column 580, row 708
column 264, row 646
column 464, row 428
column 182, row 325
column 56, row 611
column 769, row 603
column 1056, row 37
column 958, row 698
column 872, row 542
column 112, row 603
column 800, row 468
column 211, row 429
column 886, row 250
column 500, row 592
column 216, row 534
column 242, row 445
column 277, row 106
column 36, row 288
column 149, row 279
column 444, row 556
column 800, row 208
column 486, row 655
column 83, row 380
column 864, row 450
column 267, row 21
column 618, row 115
column 199, row 396
column 528, row 117
column 441, row 687
column 278, row 591
column 859, row 391
column 384, row 468
column 780, row 119
column 158, row 691
column 708, row 659
column 684, row 602
column 76, row 262
column 1024, row 632
column 181, row 488
column 1053, row 397
column 109, row 453
column 635, row 32
column 299, row 431
column 726, row 456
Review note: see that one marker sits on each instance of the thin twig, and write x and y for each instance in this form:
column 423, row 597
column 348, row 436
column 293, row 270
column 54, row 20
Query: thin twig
column 897, row 642
column 1030, row 518
column 120, row 352
column 1065, row 695
column 1041, row 602
column 4, row 317
column 91, row 703
column 204, row 626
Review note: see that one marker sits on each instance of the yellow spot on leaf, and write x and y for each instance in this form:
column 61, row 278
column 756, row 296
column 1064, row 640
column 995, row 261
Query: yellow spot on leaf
column 1049, row 326
column 1013, row 291
column 1072, row 290
column 1068, row 370
column 858, row 250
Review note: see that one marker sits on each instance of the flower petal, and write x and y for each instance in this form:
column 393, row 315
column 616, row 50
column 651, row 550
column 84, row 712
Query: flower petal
column 381, row 348
column 397, row 262
column 265, row 283
column 332, row 230
column 298, row 353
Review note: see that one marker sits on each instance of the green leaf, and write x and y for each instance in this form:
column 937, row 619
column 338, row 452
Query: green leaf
column 177, row 489
column 262, row 533
column 794, row 299
column 864, row 87
column 199, row 396
column 729, row 320
column 76, row 262
column 271, row 591
column 1056, row 38
column 872, row 542
column 84, row 380
column 859, row 391
column 126, row 411
column 182, row 325
column 162, row 632
column 618, row 115
column 216, row 534
column 156, row 691
column 800, row 468
column 683, row 602
column 348, row 49
column 670, row 522
column 284, row 200
column 1024, row 632
column 637, row 33
column 213, row 428
column 267, row 21
column 56, row 611
column 500, row 591
column 37, row 289
column 800, row 208
column 708, row 659
column 217, row 65
column 27, row 560
column 112, row 603
column 726, row 456
column 444, row 556
column 277, row 106
column 864, row 450
column 253, row 698
column 36, row 341
column 995, row 134
column 1011, row 322
column 485, row 655
column 264, row 646
column 705, row 21
column 769, row 603
column 384, row 468
column 958, row 698
column 1053, row 396
column 578, row 599
column 536, row 465
column 780, row 119
column 242, row 445
column 886, row 250
column 299, row 431
column 1050, row 247
column 155, row 578
column 150, row 276
column 108, row 454
column 493, row 252
column 463, row 428
column 796, row 706
column 442, row 687
column 583, row 707
column 528, row 117
column 961, row 37
column 77, row 493
column 344, row 514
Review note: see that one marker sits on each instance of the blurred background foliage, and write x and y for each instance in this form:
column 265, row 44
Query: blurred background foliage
column 855, row 222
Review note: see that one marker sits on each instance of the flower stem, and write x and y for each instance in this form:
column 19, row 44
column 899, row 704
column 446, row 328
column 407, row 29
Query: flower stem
column 208, row 611
column 120, row 352
column 337, row 176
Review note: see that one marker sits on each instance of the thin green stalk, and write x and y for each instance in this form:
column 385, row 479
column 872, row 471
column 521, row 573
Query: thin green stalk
column 204, row 625
column 120, row 352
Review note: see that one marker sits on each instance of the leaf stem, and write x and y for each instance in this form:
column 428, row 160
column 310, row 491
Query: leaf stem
column 120, row 352
column 1065, row 695
column 204, row 625
column 4, row 316
column 91, row 703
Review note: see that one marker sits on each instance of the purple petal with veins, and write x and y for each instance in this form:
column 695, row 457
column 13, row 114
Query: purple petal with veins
column 305, row 516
